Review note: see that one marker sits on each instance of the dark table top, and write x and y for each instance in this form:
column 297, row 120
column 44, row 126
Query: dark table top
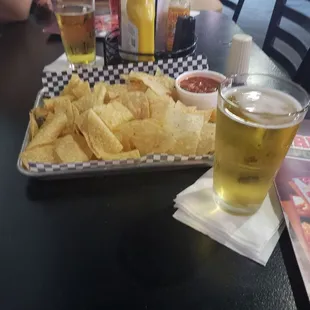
column 111, row 242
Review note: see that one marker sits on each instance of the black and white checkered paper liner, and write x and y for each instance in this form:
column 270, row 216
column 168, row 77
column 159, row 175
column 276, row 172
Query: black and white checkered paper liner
column 54, row 82
column 97, row 164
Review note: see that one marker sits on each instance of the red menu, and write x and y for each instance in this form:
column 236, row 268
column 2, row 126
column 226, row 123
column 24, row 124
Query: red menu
column 293, row 187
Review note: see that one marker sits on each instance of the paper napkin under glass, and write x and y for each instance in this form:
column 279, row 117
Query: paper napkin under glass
column 252, row 236
column 62, row 64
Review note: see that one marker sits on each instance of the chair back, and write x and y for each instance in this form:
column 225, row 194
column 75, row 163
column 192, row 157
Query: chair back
column 276, row 32
column 235, row 6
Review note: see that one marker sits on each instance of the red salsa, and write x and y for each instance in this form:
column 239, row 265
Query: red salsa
column 200, row 84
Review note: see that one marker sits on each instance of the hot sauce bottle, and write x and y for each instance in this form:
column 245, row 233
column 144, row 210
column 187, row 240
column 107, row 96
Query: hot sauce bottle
column 176, row 8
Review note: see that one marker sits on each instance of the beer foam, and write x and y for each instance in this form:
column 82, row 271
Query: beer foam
column 268, row 108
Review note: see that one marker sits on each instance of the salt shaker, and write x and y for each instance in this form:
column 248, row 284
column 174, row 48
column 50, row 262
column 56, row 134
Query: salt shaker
column 239, row 56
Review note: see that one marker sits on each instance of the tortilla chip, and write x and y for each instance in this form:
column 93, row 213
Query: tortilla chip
column 206, row 143
column 39, row 154
column 74, row 82
column 69, row 151
column 185, row 128
column 49, row 133
column 40, row 112
column 213, row 116
column 84, row 103
column 150, row 81
column 33, row 125
column 113, row 114
column 147, row 136
column 116, row 90
column 81, row 141
column 99, row 92
column 82, row 89
column 137, row 103
column 101, row 139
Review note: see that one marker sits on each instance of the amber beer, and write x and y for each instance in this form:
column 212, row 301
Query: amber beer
column 76, row 23
column 255, row 128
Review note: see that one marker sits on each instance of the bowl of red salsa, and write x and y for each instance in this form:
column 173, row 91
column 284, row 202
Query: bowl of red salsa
column 199, row 88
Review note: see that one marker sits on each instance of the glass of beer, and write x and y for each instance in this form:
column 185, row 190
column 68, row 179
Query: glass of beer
column 76, row 22
column 257, row 118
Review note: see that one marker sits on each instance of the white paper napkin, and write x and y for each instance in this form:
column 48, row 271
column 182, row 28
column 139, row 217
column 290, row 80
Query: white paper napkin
column 252, row 236
column 62, row 64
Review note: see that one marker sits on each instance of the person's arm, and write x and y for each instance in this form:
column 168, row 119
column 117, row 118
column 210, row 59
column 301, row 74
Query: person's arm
column 14, row 10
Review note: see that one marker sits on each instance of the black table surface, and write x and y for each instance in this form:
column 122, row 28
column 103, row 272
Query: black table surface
column 111, row 242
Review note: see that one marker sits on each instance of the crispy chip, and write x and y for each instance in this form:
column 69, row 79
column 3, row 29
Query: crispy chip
column 206, row 114
column 49, row 133
column 39, row 154
column 116, row 90
column 134, row 85
column 150, row 81
column 137, row 103
column 213, row 116
column 124, row 155
column 33, row 126
column 69, row 151
column 147, row 136
column 81, row 141
column 113, row 114
column 48, row 119
column 74, row 82
column 40, row 112
column 100, row 91
column 84, row 103
column 206, row 143
column 49, row 103
column 158, row 105
column 81, row 90
column 185, row 128
column 101, row 139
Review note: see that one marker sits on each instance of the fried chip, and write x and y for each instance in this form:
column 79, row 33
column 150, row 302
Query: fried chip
column 33, row 125
column 74, row 82
column 137, row 103
column 99, row 92
column 158, row 105
column 150, row 81
column 49, row 103
column 81, row 141
column 100, row 138
column 40, row 112
column 113, row 114
column 84, row 103
column 134, row 154
column 49, row 133
column 185, row 128
column 134, row 85
column 116, row 90
column 39, row 154
column 69, row 151
column 147, row 136
column 213, row 116
column 81, row 90
column 206, row 143
column 206, row 114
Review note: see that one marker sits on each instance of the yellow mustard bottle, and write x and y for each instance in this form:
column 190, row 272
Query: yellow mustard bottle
column 141, row 32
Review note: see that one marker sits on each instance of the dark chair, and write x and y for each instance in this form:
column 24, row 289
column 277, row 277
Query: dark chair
column 236, row 7
column 274, row 31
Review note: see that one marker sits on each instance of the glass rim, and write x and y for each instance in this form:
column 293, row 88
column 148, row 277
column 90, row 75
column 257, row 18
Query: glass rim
column 305, row 108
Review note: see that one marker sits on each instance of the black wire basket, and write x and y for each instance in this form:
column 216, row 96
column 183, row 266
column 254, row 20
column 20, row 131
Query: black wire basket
column 112, row 52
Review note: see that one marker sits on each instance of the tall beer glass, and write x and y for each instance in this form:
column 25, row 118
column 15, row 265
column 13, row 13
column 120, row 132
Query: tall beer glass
column 76, row 22
column 257, row 118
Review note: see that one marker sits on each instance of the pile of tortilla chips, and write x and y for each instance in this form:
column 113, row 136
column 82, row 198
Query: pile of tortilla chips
column 121, row 121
